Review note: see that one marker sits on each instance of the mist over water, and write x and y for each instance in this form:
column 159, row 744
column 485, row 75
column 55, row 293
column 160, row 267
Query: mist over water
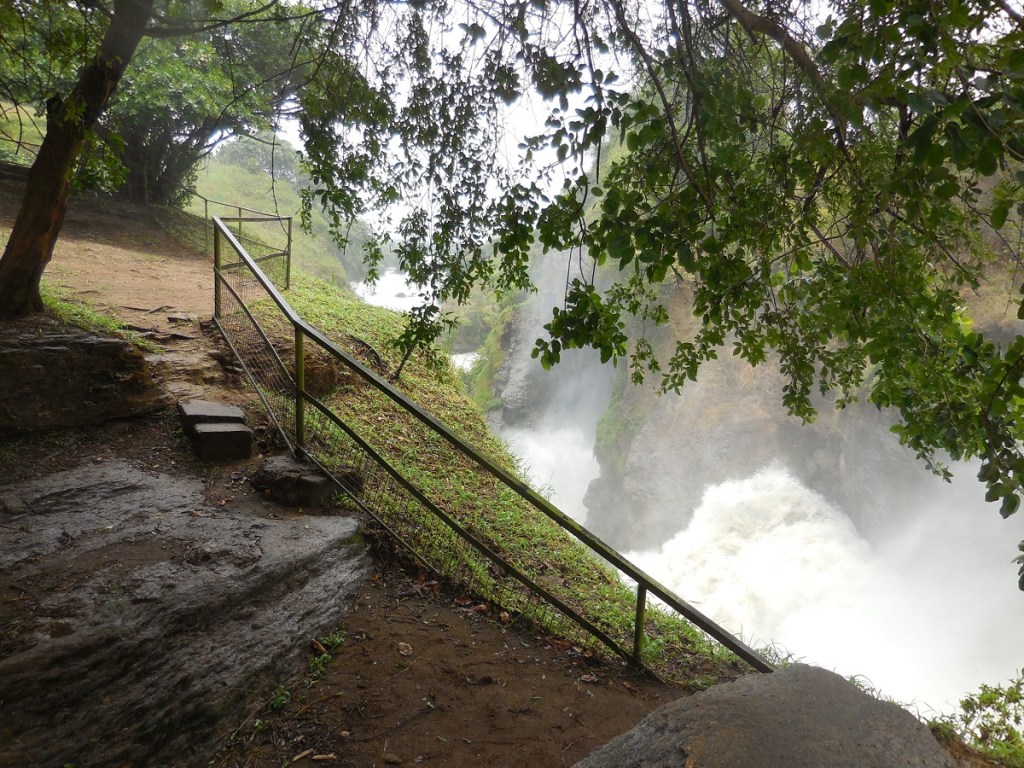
column 392, row 290
column 560, row 463
column 556, row 441
column 925, row 613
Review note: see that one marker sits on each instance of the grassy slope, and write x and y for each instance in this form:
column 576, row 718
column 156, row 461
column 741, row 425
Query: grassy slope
column 494, row 513
column 313, row 252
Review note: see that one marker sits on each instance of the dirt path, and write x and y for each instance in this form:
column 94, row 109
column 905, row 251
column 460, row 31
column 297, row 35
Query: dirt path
column 117, row 258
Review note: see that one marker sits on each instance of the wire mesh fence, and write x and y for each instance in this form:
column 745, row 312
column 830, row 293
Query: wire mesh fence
column 266, row 237
column 448, row 504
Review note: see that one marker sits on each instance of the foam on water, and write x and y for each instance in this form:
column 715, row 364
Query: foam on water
column 392, row 290
column 925, row 614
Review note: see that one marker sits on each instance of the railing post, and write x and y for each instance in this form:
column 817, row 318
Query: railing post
column 216, row 270
column 300, row 386
column 288, row 261
column 638, row 627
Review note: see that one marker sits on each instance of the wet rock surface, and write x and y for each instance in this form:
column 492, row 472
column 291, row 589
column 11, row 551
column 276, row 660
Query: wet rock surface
column 134, row 614
column 800, row 717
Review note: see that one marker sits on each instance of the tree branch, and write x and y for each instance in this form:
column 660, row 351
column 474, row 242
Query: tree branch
column 797, row 52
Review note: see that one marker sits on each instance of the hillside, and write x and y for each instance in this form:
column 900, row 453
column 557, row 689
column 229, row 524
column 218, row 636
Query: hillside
column 473, row 689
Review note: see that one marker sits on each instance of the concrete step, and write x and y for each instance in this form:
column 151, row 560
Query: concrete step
column 195, row 412
column 218, row 430
column 223, row 442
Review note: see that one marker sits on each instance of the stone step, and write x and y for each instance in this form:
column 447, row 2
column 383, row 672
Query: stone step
column 223, row 441
column 195, row 412
column 218, row 430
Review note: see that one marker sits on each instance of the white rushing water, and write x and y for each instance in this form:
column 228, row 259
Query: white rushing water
column 925, row 615
column 559, row 461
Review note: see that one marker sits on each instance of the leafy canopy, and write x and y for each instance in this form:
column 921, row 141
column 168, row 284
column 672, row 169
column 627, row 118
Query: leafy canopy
column 824, row 184
column 207, row 70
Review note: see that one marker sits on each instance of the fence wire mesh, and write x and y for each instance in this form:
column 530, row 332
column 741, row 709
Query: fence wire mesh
column 430, row 493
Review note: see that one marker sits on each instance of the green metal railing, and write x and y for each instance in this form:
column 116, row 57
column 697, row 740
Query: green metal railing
column 267, row 237
column 410, row 503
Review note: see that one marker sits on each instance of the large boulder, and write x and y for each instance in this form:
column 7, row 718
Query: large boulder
column 800, row 717
column 52, row 376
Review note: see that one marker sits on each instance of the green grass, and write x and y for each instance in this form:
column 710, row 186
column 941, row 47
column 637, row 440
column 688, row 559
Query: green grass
column 21, row 133
column 75, row 312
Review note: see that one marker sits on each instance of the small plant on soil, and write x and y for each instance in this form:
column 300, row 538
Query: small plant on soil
column 991, row 721
column 281, row 697
column 334, row 639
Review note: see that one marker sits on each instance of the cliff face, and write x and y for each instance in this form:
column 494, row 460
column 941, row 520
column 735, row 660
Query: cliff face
column 659, row 453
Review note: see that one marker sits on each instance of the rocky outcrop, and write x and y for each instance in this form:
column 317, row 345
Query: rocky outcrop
column 800, row 717
column 52, row 376
column 134, row 615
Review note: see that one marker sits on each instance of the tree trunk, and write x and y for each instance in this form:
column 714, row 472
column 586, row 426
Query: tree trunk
column 30, row 246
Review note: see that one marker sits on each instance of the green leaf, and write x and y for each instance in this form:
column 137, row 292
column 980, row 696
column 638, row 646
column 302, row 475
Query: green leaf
column 1010, row 505
column 1000, row 210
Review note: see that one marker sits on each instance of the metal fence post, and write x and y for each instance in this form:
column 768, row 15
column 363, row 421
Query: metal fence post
column 638, row 627
column 300, row 386
column 288, row 262
column 216, row 270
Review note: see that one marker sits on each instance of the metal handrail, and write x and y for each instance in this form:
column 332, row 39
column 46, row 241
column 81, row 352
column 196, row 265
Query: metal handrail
column 646, row 583
column 262, row 214
column 259, row 217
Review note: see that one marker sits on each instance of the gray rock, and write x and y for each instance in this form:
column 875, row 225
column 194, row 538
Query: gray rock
column 194, row 412
column 223, row 442
column 800, row 717
column 53, row 376
column 134, row 616
column 293, row 483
